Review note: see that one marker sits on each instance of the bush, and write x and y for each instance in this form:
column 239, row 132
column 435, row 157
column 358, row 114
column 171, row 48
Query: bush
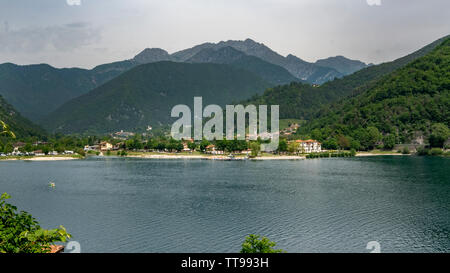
column 405, row 150
column 423, row 152
column 327, row 155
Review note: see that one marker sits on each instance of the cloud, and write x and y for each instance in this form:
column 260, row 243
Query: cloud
column 73, row 2
column 65, row 37
column 374, row 2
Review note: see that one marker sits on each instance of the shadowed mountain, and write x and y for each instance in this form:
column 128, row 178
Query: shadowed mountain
column 21, row 126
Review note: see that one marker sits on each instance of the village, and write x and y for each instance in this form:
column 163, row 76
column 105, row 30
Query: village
column 128, row 143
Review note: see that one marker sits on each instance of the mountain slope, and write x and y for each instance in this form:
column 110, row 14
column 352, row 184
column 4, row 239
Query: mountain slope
column 405, row 103
column 36, row 90
column 274, row 74
column 303, row 101
column 18, row 124
column 146, row 94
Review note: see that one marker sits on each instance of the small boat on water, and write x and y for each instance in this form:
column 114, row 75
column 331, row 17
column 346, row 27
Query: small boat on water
column 52, row 184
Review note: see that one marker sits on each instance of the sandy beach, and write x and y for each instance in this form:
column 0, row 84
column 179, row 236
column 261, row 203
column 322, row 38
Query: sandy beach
column 53, row 158
column 41, row 158
column 215, row 157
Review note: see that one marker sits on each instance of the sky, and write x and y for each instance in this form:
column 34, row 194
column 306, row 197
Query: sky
column 86, row 33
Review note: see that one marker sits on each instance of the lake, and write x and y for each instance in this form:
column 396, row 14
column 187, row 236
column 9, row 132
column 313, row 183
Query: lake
column 322, row 205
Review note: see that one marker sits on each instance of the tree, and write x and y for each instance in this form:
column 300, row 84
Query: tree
column 253, row 244
column 373, row 136
column 192, row 146
column 343, row 142
column 293, row 147
column 389, row 142
column 160, row 146
column 355, row 145
column 21, row 233
column 283, row 146
column 439, row 135
column 205, row 143
column 256, row 148
column 179, row 146
column 221, row 145
column 46, row 149
column 330, row 144
column 28, row 147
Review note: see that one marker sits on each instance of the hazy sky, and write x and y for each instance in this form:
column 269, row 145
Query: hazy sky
column 85, row 33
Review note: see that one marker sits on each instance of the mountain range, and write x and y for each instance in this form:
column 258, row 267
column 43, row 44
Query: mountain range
column 314, row 73
column 38, row 90
column 137, row 93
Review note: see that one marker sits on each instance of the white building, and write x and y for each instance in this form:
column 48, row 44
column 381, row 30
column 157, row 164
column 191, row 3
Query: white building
column 309, row 146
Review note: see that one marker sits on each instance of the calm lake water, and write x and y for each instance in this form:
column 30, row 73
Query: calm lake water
column 323, row 205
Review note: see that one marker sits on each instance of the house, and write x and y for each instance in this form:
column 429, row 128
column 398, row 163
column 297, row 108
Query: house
column 117, row 146
column 185, row 147
column 211, row 149
column 38, row 153
column 105, row 146
column 88, row 148
column 186, row 143
column 309, row 146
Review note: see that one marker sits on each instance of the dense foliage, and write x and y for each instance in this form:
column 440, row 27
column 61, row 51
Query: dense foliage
column 303, row 101
column 21, row 233
column 256, row 244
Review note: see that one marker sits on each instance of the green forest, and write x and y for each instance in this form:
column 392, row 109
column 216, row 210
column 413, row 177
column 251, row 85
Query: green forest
column 412, row 102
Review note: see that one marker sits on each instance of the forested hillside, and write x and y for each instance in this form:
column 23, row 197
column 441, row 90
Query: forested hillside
column 406, row 106
column 304, row 101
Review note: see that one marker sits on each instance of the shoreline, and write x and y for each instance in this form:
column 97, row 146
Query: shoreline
column 198, row 157
column 41, row 158
column 380, row 154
